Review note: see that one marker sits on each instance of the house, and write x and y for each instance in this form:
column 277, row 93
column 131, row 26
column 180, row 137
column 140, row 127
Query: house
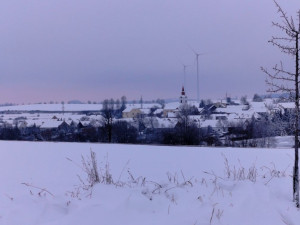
column 172, row 114
column 216, row 126
column 168, row 111
column 287, row 107
column 135, row 112
column 55, row 125
column 158, row 112
column 208, row 109
column 48, row 124
column 80, row 125
column 220, row 105
column 64, row 127
column 22, row 124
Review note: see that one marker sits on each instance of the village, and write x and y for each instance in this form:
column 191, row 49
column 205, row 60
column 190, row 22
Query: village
column 223, row 122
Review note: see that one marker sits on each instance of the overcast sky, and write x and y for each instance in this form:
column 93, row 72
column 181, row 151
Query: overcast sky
column 96, row 49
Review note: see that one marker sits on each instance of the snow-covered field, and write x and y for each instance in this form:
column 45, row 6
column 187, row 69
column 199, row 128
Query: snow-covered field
column 152, row 185
column 67, row 107
column 52, row 107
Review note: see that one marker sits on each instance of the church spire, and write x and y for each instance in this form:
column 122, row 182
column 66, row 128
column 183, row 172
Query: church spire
column 182, row 91
column 183, row 97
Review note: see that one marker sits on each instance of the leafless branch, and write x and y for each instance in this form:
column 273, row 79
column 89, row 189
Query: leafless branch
column 284, row 48
column 281, row 70
column 284, row 29
column 283, row 39
column 41, row 189
column 275, row 88
column 284, row 17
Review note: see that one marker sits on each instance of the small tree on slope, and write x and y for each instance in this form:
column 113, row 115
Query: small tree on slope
column 282, row 80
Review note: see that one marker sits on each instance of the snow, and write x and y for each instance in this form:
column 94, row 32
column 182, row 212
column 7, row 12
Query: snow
column 285, row 141
column 166, row 122
column 193, row 185
column 53, row 107
column 146, row 107
column 172, row 105
column 42, row 114
column 51, row 124
column 287, row 105
column 50, row 120
column 211, row 123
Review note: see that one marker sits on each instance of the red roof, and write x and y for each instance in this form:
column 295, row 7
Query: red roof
column 182, row 91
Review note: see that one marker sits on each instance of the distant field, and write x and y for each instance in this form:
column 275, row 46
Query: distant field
column 52, row 107
column 67, row 107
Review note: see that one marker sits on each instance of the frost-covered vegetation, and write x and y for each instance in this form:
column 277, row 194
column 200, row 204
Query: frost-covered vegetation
column 56, row 183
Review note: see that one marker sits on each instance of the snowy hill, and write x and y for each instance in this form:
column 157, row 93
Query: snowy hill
column 53, row 107
column 151, row 185
column 67, row 107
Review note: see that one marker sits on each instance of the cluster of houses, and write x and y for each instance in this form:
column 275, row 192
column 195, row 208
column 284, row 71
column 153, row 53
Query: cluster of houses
column 218, row 115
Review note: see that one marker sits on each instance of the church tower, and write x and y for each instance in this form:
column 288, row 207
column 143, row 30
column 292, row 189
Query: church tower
column 183, row 97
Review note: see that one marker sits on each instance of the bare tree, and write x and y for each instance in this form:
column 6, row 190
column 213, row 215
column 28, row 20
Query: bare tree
column 107, row 113
column 282, row 80
column 187, row 131
column 244, row 100
column 257, row 98
column 63, row 107
column 141, row 102
column 123, row 102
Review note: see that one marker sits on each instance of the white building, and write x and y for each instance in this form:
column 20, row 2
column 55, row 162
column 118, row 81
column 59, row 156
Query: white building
column 183, row 97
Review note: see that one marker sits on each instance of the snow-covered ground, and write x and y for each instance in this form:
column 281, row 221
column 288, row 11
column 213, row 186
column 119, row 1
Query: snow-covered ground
column 67, row 107
column 153, row 185
column 52, row 107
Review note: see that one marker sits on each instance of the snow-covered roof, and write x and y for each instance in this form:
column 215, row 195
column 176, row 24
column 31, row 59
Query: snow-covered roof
column 129, row 107
column 142, row 110
column 51, row 124
column 145, row 110
column 242, row 111
column 176, row 105
column 85, row 123
column 287, row 105
column 158, row 111
column 172, row 105
column 211, row 123
column 172, row 115
column 259, row 106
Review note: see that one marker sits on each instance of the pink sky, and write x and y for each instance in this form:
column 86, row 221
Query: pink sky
column 92, row 50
